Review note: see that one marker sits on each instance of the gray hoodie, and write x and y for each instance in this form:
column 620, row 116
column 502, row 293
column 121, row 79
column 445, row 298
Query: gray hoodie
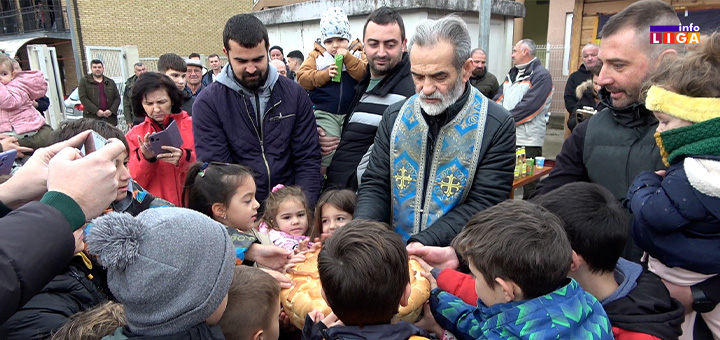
column 257, row 98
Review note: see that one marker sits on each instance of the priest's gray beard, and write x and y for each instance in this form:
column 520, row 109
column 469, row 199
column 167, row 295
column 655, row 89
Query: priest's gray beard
column 446, row 100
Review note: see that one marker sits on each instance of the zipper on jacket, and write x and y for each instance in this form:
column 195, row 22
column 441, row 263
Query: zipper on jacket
column 260, row 135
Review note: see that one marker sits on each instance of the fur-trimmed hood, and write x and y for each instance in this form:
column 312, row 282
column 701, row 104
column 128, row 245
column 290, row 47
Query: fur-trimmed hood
column 584, row 86
column 704, row 175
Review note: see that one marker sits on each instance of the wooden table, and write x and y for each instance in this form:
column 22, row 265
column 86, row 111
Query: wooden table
column 537, row 174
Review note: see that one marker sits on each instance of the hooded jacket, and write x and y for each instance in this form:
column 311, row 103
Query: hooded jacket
column 16, row 111
column 399, row 331
column 327, row 95
column 281, row 148
column 585, row 95
column 610, row 149
column 45, row 227
column 677, row 218
column 160, row 178
column 566, row 313
column 361, row 123
column 574, row 80
column 640, row 309
column 80, row 287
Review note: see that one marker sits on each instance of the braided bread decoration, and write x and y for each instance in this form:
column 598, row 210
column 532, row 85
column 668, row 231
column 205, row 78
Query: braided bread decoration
column 305, row 296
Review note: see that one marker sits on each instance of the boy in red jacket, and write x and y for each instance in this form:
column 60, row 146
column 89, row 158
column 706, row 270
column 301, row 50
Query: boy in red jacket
column 637, row 303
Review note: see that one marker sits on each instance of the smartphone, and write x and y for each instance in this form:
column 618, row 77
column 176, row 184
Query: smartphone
column 7, row 158
column 168, row 137
column 93, row 143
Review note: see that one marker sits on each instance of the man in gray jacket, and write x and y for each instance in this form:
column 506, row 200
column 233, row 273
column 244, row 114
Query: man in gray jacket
column 527, row 94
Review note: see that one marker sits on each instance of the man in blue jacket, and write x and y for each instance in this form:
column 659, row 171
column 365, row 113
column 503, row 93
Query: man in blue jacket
column 251, row 116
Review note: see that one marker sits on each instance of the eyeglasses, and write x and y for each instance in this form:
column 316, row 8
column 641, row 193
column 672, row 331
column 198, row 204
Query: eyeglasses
column 194, row 71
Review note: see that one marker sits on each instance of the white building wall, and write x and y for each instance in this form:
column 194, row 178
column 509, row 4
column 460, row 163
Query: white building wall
column 301, row 35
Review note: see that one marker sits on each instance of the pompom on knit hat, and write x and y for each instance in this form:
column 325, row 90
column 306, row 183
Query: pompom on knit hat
column 169, row 267
column 334, row 24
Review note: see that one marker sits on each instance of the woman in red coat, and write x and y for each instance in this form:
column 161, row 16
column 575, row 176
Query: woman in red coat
column 156, row 97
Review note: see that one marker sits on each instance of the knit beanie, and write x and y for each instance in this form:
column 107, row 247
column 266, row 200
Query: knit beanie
column 693, row 109
column 334, row 24
column 169, row 267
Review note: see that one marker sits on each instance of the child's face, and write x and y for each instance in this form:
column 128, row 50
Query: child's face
column 122, row 175
column 292, row 217
column 334, row 44
column 488, row 295
column 333, row 218
column 242, row 210
column 596, row 86
column 6, row 74
column 667, row 122
column 177, row 77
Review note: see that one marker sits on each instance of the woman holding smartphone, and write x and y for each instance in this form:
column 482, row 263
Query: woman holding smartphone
column 156, row 97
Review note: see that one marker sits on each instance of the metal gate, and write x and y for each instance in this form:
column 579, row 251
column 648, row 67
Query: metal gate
column 44, row 58
column 115, row 68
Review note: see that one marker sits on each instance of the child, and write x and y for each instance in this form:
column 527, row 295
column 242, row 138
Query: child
column 677, row 211
column 332, row 99
column 175, row 67
column 83, row 282
column 519, row 255
column 588, row 97
column 334, row 209
column 637, row 304
column 171, row 269
column 226, row 193
column 131, row 197
column 286, row 219
column 363, row 269
column 254, row 298
column 92, row 324
column 18, row 116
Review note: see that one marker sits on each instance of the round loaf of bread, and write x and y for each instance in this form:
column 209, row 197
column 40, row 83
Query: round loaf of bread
column 304, row 295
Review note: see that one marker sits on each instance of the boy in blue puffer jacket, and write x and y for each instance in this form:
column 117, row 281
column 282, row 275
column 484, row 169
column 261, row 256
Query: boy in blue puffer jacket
column 519, row 254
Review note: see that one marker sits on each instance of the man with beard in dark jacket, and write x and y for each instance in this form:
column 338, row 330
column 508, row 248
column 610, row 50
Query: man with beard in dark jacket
column 252, row 116
column 445, row 153
column 618, row 143
column 387, row 81
column 481, row 78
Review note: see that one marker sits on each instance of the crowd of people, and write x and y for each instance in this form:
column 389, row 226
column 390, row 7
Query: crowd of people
column 372, row 151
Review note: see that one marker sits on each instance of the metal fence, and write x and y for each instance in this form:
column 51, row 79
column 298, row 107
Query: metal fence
column 33, row 19
column 551, row 57
column 112, row 58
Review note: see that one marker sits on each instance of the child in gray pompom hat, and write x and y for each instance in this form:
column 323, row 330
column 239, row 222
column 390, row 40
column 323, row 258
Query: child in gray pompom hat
column 171, row 269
